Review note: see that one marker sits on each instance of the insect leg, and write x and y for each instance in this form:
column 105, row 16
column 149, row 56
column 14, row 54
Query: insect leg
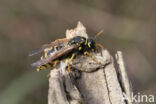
column 70, row 60
column 55, row 64
column 86, row 53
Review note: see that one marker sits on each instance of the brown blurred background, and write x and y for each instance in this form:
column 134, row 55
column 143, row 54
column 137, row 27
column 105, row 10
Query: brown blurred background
column 27, row 24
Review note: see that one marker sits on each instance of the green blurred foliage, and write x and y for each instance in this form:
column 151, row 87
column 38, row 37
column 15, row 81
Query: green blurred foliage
column 27, row 24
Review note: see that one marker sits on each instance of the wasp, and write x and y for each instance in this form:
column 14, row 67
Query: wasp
column 53, row 50
column 65, row 48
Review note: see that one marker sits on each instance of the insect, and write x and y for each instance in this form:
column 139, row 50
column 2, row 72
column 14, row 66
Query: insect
column 64, row 48
column 53, row 50
column 48, row 53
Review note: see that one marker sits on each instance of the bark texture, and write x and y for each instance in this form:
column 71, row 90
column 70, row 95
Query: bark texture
column 89, row 82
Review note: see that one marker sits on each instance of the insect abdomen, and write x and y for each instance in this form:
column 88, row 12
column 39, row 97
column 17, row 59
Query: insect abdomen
column 48, row 54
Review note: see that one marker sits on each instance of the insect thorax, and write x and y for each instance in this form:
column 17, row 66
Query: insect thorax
column 83, row 43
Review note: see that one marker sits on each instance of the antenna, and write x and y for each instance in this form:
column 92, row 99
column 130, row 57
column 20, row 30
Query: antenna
column 98, row 34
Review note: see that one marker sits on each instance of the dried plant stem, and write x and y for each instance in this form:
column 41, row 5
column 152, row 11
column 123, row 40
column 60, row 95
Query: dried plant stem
column 89, row 83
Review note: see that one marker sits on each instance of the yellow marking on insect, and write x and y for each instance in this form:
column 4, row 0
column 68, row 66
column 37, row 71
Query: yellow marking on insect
column 46, row 54
column 89, row 45
column 86, row 42
column 81, row 40
column 80, row 48
column 55, row 48
column 41, row 58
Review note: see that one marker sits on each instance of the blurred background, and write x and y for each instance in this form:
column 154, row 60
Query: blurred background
column 27, row 24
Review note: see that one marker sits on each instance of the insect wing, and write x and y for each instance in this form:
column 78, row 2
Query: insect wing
column 39, row 50
column 57, row 54
column 52, row 44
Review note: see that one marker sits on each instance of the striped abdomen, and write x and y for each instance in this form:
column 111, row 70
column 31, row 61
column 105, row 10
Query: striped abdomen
column 47, row 54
